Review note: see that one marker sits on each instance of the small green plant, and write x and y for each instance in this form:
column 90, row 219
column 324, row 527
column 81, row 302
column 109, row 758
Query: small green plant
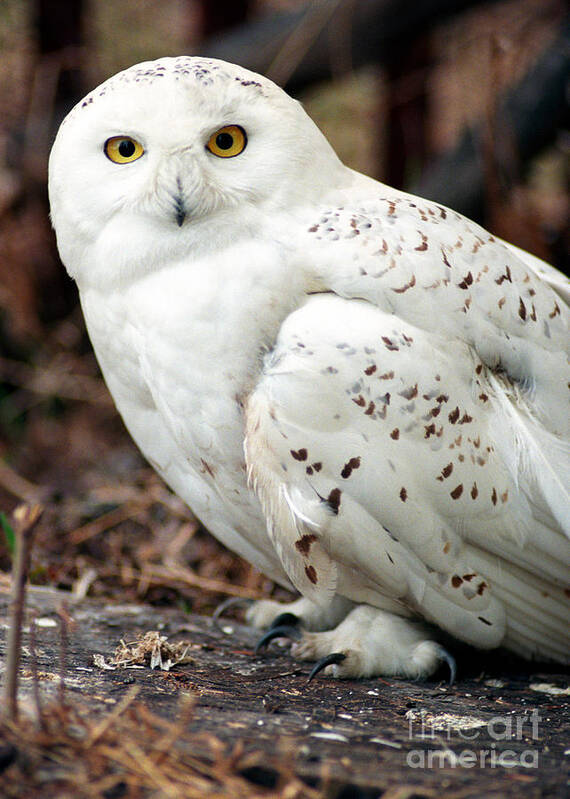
column 9, row 534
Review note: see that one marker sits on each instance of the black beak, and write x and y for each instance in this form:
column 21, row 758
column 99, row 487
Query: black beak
column 179, row 204
column 180, row 211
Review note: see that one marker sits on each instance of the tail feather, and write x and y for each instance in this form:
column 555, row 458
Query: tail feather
column 539, row 462
column 536, row 611
column 529, row 643
column 544, row 561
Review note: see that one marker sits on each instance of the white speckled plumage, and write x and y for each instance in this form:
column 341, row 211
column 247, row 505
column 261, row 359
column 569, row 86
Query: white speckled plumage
column 396, row 376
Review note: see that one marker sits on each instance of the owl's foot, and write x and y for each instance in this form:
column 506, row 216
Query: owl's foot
column 367, row 643
column 265, row 612
column 231, row 602
column 286, row 625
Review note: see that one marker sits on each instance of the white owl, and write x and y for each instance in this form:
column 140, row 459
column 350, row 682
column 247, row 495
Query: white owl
column 361, row 392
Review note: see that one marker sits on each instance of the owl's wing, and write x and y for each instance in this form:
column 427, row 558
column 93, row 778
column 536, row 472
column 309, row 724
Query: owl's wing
column 407, row 444
column 444, row 274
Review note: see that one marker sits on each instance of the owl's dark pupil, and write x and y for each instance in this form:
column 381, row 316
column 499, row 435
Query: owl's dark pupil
column 126, row 148
column 224, row 141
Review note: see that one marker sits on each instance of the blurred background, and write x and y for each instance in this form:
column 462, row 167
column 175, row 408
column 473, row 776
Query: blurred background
column 462, row 102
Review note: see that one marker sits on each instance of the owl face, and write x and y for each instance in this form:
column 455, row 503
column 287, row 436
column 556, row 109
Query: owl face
column 162, row 147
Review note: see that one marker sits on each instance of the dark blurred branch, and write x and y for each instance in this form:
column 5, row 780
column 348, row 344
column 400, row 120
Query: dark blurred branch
column 407, row 112
column 26, row 518
column 57, row 79
column 222, row 14
column 59, row 29
column 376, row 33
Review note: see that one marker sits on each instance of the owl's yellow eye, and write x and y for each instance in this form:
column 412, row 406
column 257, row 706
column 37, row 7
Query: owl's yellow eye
column 227, row 141
column 123, row 149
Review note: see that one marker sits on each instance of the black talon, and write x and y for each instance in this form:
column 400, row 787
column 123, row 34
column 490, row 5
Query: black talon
column 233, row 601
column 284, row 631
column 334, row 657
column 285, row 620
column 444, row 655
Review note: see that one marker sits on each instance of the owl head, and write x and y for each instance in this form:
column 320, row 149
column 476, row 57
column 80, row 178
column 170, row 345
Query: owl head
column 175, row 155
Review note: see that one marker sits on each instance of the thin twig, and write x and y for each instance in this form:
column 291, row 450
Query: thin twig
column 144, row 762
column 105, row 723
column 164, row 746
column 26, row 518
column 169, row 575
column 17, row 485
column 56, row 381
column 35, row 680
column 110, row 519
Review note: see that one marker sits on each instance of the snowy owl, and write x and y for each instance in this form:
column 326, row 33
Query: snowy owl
column 360, row 391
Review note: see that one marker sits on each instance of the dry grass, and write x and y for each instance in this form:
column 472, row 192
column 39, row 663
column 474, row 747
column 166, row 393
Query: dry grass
column 132, row 752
